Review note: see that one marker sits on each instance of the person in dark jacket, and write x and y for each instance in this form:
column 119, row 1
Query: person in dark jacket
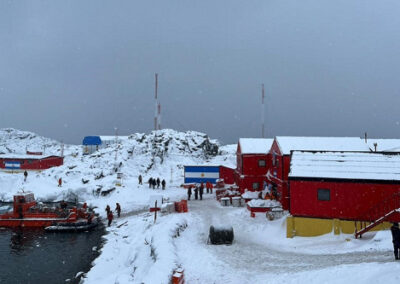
column 158, row 182
column 118, row 209
column 25, row 175
column 196, row 192
column 140, row 179
column 189, row 192
column 163, row 183
column 63, row 204
column 110, row 217
column 201, row 191
column 150, row 182
column 108, row 209
column 396, row 239
column 154, row 183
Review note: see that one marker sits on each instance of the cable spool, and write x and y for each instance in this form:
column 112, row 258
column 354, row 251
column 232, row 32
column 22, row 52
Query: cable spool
column 221, row 235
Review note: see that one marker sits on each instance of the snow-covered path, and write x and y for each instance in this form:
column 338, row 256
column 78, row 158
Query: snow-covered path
column 248, row 260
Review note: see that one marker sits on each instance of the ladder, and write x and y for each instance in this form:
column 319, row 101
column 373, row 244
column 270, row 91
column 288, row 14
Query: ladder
column 378, row 214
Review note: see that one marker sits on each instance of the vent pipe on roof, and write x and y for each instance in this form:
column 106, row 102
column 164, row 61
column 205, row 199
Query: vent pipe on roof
column 376, row 146
column 365, row 137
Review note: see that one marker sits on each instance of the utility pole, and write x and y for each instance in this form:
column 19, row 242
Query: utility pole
column 262, row 112
column 116, row 148
column 159, row 116
column 156, row 99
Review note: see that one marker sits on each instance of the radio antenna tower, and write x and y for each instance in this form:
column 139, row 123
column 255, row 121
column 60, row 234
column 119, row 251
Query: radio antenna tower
column 159, row 116
column 262, row 112
column 156, row 98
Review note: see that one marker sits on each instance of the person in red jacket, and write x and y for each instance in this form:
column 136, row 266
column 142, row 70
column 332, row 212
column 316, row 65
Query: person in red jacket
column 59, row 182
column 211, row 187
column 110, row 217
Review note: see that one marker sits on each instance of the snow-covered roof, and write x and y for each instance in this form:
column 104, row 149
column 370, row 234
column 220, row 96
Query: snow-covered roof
column 24, row 156
column 384, row 145
column 345, row 165
column 289, row 143
column 112, row 138
column 255, row 145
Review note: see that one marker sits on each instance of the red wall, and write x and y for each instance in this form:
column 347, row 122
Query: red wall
column 37, row 164
column 227, row 174
column 279, row 174
column 348, row 200
column 246, row 182
column 250, row 164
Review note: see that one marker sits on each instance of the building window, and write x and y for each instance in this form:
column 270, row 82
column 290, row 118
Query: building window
column 324, row 194
column 275, row 173
column 273, row 158
column 261, row 163
column 256, row 185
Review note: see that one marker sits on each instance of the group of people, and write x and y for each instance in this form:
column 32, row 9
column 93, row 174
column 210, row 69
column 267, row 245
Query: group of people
column 110, row 215
column 153, row 182
column 199, row 190
column 26, row 176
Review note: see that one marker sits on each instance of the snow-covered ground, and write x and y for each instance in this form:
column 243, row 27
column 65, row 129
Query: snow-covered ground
column 138, row 249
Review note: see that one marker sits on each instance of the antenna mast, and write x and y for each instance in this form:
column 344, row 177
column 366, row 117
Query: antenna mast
column 262, row 112
column 156, row 99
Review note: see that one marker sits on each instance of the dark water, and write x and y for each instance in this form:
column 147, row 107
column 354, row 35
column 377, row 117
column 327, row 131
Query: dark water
column 36, row 256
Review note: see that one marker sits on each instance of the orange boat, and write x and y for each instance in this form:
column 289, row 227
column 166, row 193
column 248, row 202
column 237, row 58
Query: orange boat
column 27, row 213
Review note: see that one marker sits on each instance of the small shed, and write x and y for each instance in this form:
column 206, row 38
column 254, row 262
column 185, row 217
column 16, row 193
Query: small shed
column 344, row 185
column 91, row 144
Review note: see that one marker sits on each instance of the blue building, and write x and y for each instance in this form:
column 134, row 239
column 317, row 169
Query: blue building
column 91, row 144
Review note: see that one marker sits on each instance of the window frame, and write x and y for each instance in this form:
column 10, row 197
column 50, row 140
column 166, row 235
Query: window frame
column 323, row 194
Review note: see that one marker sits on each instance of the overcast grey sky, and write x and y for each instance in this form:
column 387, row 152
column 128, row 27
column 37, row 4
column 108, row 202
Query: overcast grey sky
column 75, row 68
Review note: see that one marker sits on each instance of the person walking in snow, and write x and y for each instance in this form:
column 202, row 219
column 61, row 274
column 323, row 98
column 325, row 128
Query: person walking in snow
column 108, row 209
column 59, row 182
column 154, row 183
column 396, row 239
column 189, row 192
column 140, row 179
column 25, row 175
column 110, row 217
column 196, row 192
column 163, row 183
column 150, row 182
column 201, row 191
column 211, row 187
column 158, row 183
column 118, row 209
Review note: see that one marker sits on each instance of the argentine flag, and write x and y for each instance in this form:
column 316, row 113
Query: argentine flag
column 12, row 165
column 198, row 174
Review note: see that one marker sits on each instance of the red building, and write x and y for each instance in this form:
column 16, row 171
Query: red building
column 280, row 157
column 345, row 185
column 253, row 163
column 18, row 162
column 228, row 174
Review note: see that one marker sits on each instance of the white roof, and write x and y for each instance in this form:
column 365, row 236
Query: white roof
column 345, row 165
column 112, row 138
column 384, row 145
column 255, row 145
column 23, row 156
column 289, row 143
